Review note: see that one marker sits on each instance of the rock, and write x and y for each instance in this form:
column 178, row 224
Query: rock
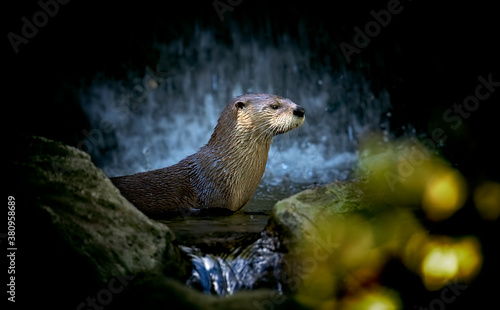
column 323, row 233
column 301, row 216
column 81, row 245
column 81, row 230
column 163, row 293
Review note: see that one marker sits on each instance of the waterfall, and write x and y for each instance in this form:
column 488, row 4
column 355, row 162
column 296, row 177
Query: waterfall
column 155, row 119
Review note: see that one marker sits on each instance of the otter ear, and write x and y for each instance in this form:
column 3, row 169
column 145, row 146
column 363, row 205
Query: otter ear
column 239, row 105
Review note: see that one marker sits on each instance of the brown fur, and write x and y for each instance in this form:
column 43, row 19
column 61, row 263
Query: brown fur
column 226, row 171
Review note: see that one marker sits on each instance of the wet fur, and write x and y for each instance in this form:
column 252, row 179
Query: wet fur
column 226, row 171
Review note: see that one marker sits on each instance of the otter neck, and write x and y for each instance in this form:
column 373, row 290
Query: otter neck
column 240, row 163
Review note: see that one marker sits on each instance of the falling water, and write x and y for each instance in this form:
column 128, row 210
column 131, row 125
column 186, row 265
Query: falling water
column 255, row 266
column 170, row 112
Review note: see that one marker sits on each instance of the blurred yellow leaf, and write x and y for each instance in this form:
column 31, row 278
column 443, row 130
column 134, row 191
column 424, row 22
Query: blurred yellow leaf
column 487, row 200
column 446, row 259
column 444, row 194
column 377, row 298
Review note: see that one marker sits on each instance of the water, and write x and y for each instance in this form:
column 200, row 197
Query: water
column 155, row 119
column 255, row 266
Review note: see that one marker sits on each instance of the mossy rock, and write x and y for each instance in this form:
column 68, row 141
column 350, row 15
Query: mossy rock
column 304, row 214
column 78, row 228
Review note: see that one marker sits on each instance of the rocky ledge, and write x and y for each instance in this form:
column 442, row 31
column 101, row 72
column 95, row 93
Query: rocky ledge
column 82, row 245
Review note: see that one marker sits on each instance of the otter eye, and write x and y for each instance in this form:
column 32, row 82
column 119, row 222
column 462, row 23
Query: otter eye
column 274, row 106
column 240, row 105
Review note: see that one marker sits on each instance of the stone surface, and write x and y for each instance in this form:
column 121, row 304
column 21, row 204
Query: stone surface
column 81, row 232
column 325, row 235
column 90, row 215
column 301, row 216
column 163, row 293
column 81, row 245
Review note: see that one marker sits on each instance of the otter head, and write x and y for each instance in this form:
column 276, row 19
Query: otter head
column 266, row 116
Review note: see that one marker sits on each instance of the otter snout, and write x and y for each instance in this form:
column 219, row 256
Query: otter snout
column 299, row 111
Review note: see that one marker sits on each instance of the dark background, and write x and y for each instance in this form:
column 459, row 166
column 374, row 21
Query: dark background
column 428, row 58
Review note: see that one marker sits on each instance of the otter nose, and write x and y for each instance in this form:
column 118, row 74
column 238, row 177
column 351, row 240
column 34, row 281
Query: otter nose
column 299, row 111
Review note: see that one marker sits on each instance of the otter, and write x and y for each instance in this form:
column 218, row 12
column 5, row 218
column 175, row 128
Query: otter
column 225, row 172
